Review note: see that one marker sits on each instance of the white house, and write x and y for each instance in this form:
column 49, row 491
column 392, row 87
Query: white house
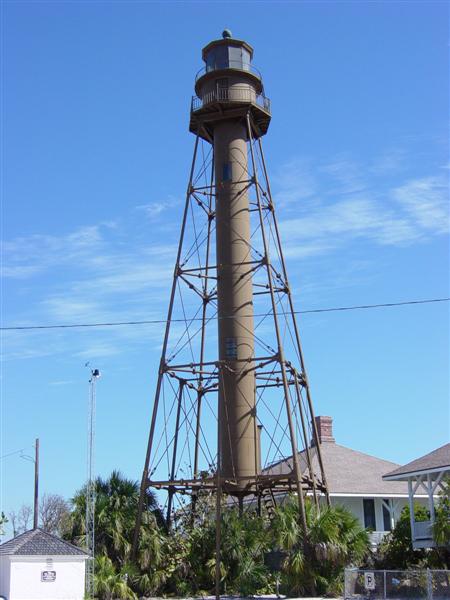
column 355, row 480
column 38, row 566
column 425, row 474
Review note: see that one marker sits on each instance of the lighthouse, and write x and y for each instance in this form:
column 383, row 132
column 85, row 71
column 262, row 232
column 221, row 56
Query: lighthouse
column 229, row 88
column 232, row 397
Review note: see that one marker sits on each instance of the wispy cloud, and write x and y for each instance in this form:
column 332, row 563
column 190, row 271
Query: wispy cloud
column 65, row 309
column 154, row 210
column 426, row 203
column 21, row 271
column 295, row 181
column 392, row 160
column 96, row 351
column 345, row 175
column 28, row 256
column 348, row 202
column 121, row 270
column 95, row 273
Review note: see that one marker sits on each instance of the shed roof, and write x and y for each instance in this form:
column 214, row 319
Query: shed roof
column 348, row 471
column 437, row 460
column 38, row 542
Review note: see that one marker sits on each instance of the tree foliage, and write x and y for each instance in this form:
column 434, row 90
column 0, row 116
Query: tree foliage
column 53, row 513
column 3, row 521
column 21, row 521
column 441, row 528
column 182, row 561
column 315, row 564
column 396, row 550
column 109, row 583
column 116, row 504
column 244, row 539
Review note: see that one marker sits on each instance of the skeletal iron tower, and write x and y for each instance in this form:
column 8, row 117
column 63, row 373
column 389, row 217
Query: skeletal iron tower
column 232, row 412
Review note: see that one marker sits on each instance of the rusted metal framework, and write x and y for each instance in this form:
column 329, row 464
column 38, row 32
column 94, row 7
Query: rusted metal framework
column 185, row 388
column 193, row 436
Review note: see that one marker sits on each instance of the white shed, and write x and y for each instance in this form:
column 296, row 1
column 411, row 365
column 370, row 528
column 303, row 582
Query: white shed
column 39, row 566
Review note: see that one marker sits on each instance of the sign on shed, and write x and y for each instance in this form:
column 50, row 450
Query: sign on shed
column 48, row 575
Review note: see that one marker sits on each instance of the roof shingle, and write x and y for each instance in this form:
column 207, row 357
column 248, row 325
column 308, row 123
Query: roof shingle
column 348, row 471
column 437, row 459
column 39, row 542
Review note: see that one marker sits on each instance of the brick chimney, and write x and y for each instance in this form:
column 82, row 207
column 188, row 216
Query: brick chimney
column 325, row 429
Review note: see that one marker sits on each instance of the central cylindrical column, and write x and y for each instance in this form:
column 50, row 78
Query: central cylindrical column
column 237, row 411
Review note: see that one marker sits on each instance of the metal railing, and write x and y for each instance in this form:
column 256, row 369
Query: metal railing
column 376, row 537
column 396, row 585
column 229, row 64
column 232, row 94
column 422, row 530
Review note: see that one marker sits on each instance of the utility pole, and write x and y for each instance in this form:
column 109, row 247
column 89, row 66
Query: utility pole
column 90, row 486
column 36, row 484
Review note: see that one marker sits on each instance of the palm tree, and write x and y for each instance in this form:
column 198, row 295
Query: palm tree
column 244, row 540
column 108, row 583
column 116, row 504
column 315, row 564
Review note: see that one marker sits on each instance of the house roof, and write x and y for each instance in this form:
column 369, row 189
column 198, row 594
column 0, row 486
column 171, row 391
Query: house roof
column 437, row 460
column 348, row 471
column 38, row 542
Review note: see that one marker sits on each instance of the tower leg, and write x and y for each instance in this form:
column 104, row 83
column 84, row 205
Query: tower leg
column 144, row 479
column 174, row 454
column 308, row 454
column 296, row 331
column 203, row 332
column 218, row 510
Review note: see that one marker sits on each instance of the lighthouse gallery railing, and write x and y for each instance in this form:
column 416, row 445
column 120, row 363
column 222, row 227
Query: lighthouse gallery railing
column 233, row 94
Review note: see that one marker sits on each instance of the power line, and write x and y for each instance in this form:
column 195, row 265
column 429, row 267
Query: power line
column 12, row 453
column 161, row 321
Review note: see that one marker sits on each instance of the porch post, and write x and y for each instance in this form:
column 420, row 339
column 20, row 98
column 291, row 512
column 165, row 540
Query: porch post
column 430, row 498
column 411, row 509
column 394, row 506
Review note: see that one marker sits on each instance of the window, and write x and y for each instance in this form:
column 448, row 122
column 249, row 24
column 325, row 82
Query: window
column 387, row 524
column 210, row 61
column 226, row 172
column 245, row 59
column 369, row 514
column 225, row 57
column 217, row 58
column 235, row 55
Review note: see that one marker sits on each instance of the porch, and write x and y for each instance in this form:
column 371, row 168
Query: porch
column 425, row 475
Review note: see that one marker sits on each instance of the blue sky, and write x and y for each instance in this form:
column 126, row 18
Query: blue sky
column 96, row 153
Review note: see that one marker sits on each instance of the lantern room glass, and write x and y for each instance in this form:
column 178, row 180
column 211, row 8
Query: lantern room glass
column 228, row 57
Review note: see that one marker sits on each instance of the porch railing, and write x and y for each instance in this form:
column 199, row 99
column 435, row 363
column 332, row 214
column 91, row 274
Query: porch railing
column 376, row 537
column 423, row 530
